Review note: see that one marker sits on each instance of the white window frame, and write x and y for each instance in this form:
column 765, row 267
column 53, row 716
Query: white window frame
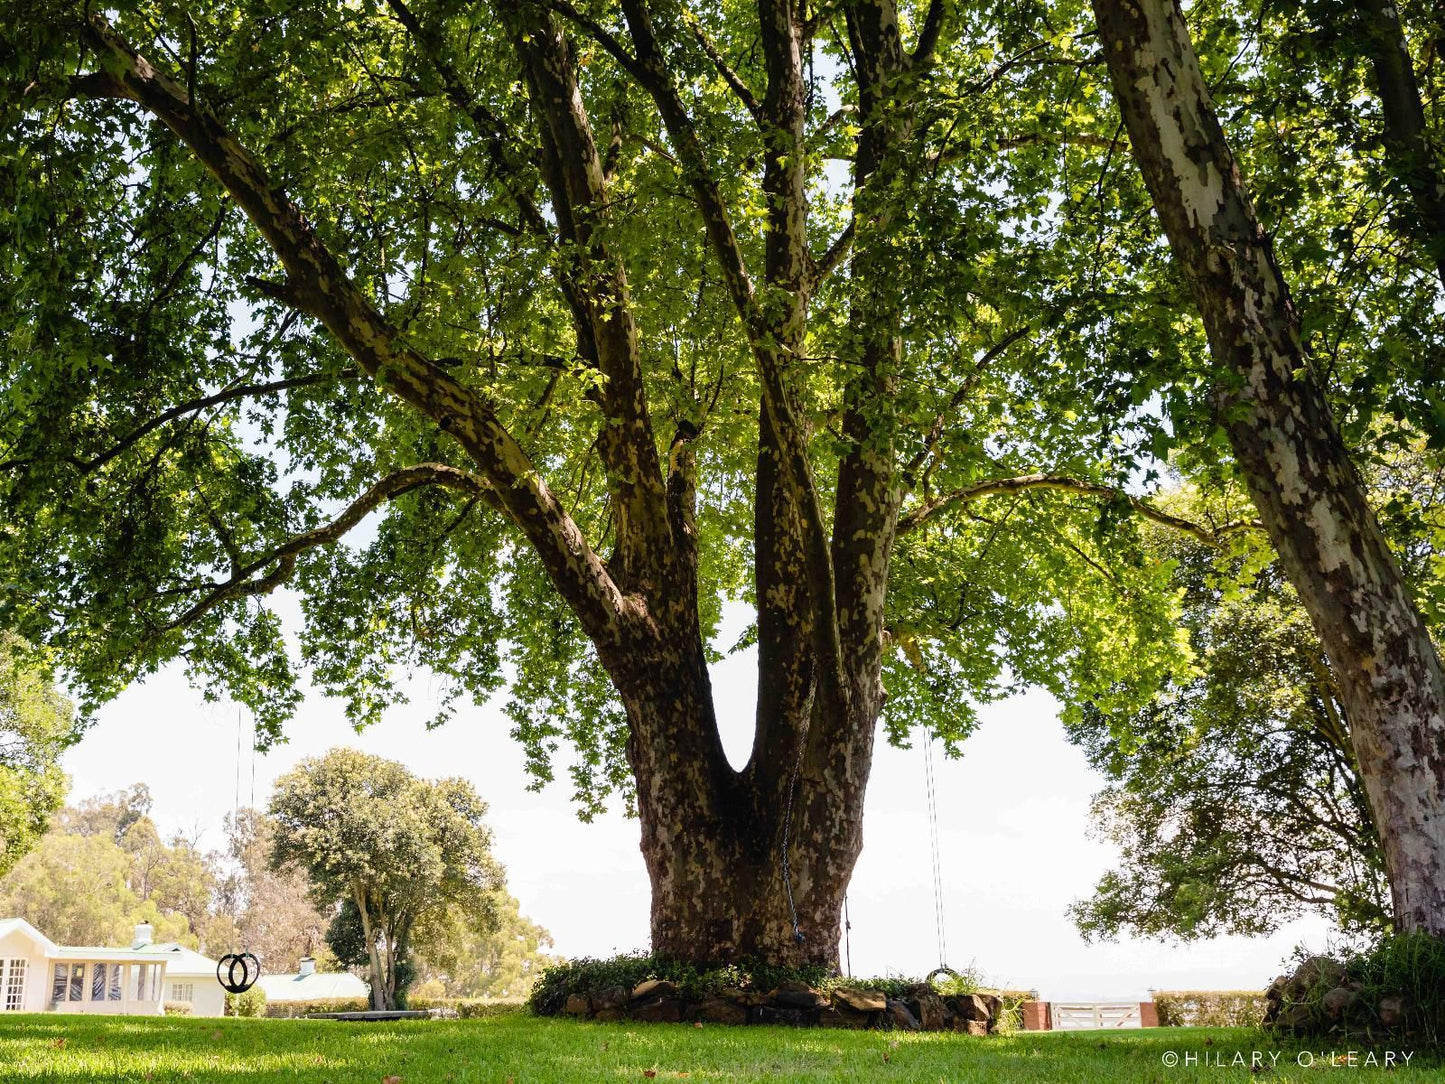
column 13, row 973
column 183, row 991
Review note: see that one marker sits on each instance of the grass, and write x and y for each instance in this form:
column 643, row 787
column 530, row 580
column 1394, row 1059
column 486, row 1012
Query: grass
column 527, row 1050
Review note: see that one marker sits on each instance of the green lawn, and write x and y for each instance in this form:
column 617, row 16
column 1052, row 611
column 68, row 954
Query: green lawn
column 525, row 1050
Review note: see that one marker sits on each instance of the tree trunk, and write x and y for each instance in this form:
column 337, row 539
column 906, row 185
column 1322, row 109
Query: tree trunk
column 378, row 973
column 743, row 865
column 1407, row 141
column 1290, row 452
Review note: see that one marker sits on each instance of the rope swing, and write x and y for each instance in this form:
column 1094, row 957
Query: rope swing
column 932, row 792
column 237, row 972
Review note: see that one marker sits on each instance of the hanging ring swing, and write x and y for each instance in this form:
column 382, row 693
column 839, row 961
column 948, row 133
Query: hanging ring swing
column 238, row 972
column 937, row 971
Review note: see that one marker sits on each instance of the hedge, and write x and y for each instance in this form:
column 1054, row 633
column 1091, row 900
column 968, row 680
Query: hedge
column 1210, row 1008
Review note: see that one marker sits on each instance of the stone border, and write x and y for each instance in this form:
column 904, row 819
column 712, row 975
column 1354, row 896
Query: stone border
column 920, row 1008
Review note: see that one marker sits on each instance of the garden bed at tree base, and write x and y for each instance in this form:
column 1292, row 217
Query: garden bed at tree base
column 919, row 1007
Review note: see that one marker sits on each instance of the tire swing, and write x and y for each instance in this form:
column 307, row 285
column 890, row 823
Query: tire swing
column 237, row 972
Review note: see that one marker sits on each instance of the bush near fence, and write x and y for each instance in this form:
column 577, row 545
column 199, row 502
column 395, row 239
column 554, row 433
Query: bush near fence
column 1209, row 1008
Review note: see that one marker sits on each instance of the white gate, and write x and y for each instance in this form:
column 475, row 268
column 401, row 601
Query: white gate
column 1094, row 1015
column 12, row 985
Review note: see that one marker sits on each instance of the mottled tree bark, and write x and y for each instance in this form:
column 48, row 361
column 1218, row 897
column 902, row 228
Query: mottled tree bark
column 1290, row 452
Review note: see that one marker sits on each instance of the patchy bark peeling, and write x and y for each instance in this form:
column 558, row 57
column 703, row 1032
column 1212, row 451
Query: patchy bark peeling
column 1294, row 461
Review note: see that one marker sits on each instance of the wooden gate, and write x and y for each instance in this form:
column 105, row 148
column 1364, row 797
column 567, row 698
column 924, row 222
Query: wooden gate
column 1094, row 1015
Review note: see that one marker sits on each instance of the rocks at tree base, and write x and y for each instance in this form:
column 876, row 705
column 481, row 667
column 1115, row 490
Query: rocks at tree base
column 1392, row 1010
column 653, row 988
column 859, row 999
column 1316, row 998
column 1338, row 1001
column 927, row 1007
column 613, row 997
column 721, row 1010
column 900, row 1016
column 798, row 995
column 662, row 1010
column 972, row 1006
column 792, row 1003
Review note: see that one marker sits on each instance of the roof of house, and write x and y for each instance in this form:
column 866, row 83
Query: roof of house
column 318, row 986
column 11, row 925
column 101, row 953
column 181, row 960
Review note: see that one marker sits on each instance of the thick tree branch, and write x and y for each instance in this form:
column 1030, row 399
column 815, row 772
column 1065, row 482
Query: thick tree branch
column 926, row 511
column 322, row 289
column 246, row 580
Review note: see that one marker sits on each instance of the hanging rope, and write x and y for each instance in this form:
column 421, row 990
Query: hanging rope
column 932, row 792
column 847, row 938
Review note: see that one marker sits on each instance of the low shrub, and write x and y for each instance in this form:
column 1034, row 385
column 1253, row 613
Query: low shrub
column 278, row 1010
column 176, row 1008
column 252, row 1003
column 587, row 976
column 468, row 1008
column 1209, row 1008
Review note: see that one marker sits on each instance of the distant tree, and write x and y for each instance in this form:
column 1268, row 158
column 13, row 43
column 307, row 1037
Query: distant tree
column 35, row 724
column 463, row 961
column 76, row 890
column 110, row 815
column 268, row 912
column 395, row 855
column 1234, row 796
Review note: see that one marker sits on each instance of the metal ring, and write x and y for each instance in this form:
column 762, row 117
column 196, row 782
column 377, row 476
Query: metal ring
column 226, row 972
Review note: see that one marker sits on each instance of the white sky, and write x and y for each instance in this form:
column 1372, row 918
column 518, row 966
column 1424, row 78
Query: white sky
column 1013, row 813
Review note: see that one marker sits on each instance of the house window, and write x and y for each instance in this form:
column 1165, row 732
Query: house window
column 99, row 974
column 60, row 982
column 112, row 992
column 183, row 991
column 77, row 982
column 14, row 984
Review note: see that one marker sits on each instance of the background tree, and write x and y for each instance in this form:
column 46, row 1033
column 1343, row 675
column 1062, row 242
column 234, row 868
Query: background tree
column 609, row 315
column 393, row 857
column 36, row 723
column 76, row 890
column 1233, row 796
column 269, row 912
column 505, row 962
column 1271, row 403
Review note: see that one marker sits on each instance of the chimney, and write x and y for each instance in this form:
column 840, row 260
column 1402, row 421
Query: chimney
column 308, row 967
column 143, row 935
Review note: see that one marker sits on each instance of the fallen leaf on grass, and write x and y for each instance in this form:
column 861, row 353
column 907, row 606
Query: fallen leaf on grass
column 391, row 1080
column 887, row 1056
column 697, row 1023
column 60, row 1044
column 649, row 1073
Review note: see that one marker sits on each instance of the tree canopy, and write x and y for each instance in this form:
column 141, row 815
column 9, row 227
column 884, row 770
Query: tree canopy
column 514, row 339
column 36, row 724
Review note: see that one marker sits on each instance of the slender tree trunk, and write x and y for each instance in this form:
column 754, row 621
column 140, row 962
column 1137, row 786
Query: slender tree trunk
column 1407, row 142
column 378, row 973
column 1289, row 450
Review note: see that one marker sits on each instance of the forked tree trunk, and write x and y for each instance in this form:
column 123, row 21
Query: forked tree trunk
column 1297, row 468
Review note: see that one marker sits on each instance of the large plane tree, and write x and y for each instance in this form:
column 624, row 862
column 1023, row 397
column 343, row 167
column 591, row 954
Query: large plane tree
column 344, row 339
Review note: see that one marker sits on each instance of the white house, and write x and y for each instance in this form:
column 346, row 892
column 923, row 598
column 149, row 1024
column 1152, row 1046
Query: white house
column 310, row 985
column 37, row 975
column 190, row 977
